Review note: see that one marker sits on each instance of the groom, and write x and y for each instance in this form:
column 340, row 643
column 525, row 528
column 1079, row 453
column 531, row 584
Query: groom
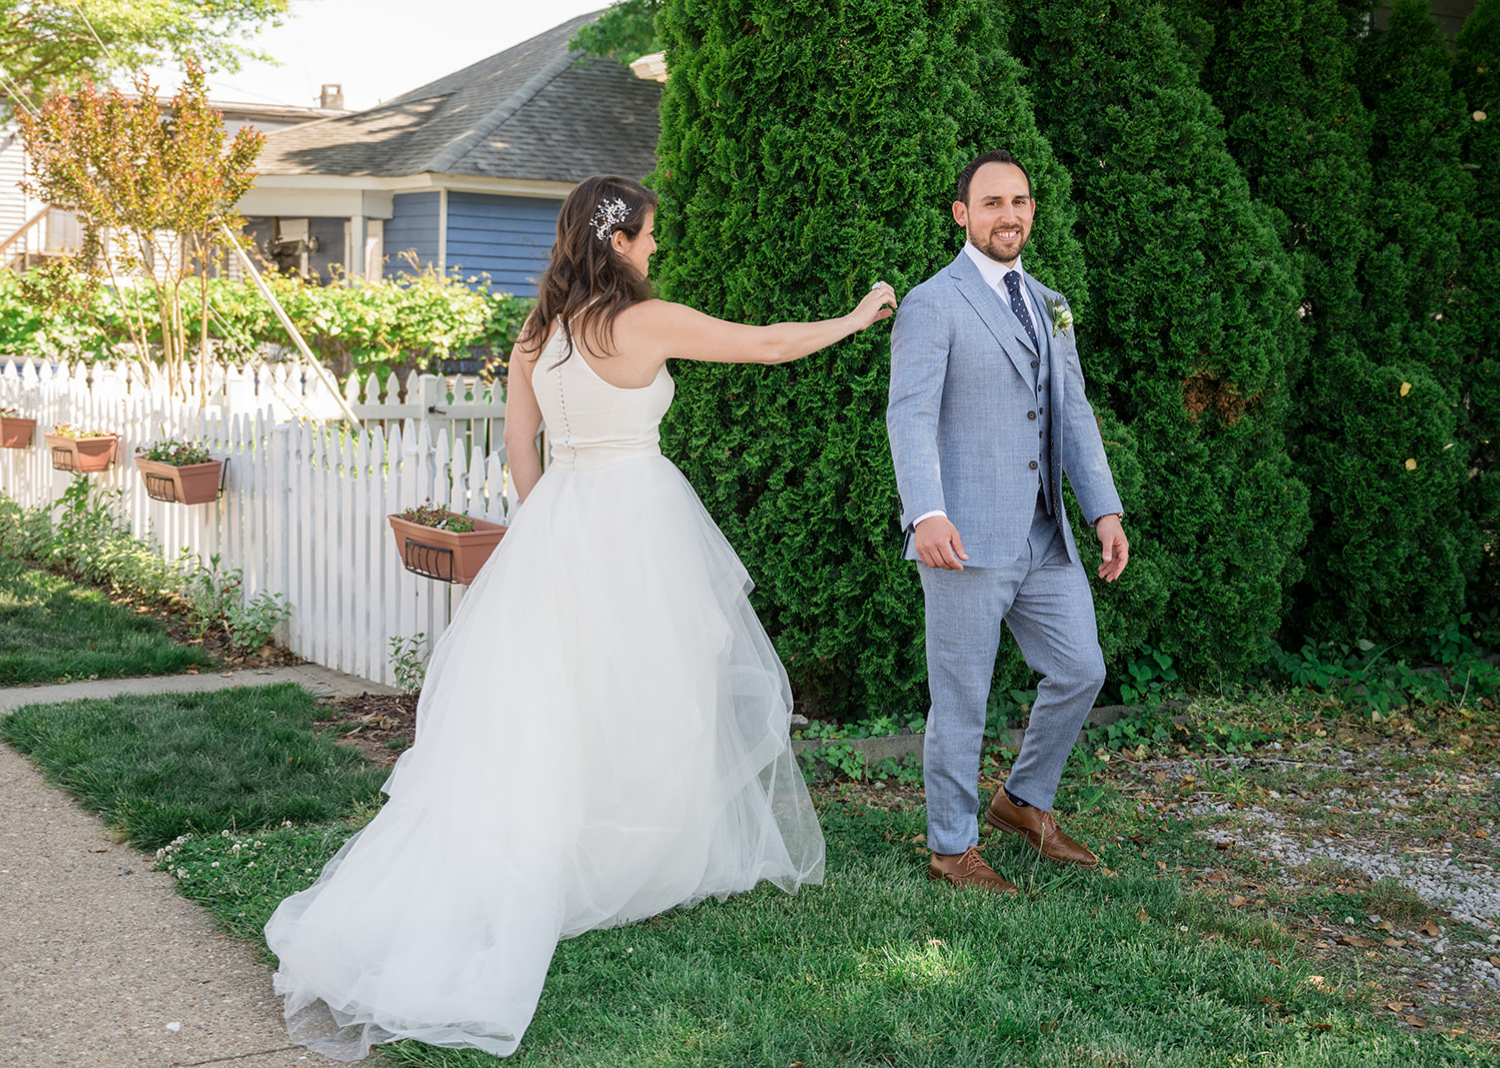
column 987, row 411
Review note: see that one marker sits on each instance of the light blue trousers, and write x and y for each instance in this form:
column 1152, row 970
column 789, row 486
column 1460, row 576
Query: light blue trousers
column 1045, row 599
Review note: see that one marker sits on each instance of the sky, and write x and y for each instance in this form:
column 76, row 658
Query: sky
column 379, row 49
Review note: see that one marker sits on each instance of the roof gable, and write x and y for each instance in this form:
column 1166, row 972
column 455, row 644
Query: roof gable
column 534, row 111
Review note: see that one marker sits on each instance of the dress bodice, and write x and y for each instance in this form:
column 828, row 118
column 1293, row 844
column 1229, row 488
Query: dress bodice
column 591, row 423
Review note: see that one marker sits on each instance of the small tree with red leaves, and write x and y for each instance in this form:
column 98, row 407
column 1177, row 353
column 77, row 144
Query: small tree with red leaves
column 152, row 184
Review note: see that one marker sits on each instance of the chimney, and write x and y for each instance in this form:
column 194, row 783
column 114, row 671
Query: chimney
column 333, row 96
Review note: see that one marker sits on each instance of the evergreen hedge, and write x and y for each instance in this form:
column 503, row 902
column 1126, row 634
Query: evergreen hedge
column 807, row 150
column 1476, row 73
column 1194, row 331
column 1394, row 559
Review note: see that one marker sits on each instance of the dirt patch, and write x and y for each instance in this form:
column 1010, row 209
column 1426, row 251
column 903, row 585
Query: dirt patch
column 381, row 726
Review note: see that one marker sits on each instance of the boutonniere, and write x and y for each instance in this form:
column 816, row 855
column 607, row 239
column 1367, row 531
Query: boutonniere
column 1061, row 314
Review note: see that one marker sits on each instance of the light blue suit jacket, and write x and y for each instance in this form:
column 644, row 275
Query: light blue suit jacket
column 961, row 387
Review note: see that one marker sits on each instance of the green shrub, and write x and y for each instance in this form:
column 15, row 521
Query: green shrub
column 805, row 152
column 1392, row 544
column 1476, row 73
column 403, row 323
column 1193, row 331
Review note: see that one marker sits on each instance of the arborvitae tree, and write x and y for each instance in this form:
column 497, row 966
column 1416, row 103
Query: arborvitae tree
column 1395, row 559
column 806, row 151
column 1194, row 317
column 1476, row 73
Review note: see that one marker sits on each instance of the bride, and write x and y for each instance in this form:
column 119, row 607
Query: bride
column 603, row 730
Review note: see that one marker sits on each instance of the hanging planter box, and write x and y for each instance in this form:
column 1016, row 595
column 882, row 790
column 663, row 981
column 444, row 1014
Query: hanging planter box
column 445, row 555
column 82, row 454
column 188, row 484
column 15, row 432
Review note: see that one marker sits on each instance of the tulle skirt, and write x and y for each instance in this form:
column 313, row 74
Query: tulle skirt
column 603, row 735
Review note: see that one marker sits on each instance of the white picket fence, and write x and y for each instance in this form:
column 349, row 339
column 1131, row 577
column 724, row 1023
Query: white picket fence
column 304, row 507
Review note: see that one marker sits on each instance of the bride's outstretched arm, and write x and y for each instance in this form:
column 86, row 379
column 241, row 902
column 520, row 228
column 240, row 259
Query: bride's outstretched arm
column 523, row 418
column 677, row 332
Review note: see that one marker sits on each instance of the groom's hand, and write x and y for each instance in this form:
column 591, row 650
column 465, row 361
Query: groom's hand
column 938, row 544
column 1116, row 547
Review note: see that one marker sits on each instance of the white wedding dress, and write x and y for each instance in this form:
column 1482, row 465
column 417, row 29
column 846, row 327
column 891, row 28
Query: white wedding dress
column 603, row 735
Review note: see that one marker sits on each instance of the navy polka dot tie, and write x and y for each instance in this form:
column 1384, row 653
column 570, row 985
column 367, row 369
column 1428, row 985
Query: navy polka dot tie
column 1018, row 305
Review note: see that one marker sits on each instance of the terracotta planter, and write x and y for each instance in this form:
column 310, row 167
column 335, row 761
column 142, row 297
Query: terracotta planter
column 443, row 554
column 15, row 432
column 189, row 484
column 82, row 454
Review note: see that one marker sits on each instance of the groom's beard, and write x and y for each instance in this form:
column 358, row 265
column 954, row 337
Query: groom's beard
column 1001, row 252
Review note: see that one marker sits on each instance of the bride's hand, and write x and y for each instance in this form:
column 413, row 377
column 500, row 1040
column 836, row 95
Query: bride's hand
column 879, row 303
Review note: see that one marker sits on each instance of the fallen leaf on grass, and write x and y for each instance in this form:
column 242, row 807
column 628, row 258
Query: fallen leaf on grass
column 1481, row 833
column 1319, row 1025
column 1356, row 941
column 1225, row 844
column 191, row 671
column 1495, row 961
column 1431, row 929
column 1394, row 943
column 1238, row 901
column 1141, row 916
column 1415, row 1021
column 1398, row 1006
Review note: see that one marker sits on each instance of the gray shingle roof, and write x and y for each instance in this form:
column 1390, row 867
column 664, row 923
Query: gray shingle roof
column 534, row 111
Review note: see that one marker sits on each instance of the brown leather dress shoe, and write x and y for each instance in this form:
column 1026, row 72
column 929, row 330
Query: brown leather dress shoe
column 967, row 869
column 1038, row 828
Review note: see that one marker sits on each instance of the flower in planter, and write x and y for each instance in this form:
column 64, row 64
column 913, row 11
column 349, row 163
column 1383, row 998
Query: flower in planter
column 68, row 430
column 439, row 518
column 10, row 413
column 176, row 453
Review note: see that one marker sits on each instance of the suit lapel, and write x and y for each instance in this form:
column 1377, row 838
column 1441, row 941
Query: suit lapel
column 992, row 311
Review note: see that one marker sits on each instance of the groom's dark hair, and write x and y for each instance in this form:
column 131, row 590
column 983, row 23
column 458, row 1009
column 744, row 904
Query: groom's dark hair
column 998, row 155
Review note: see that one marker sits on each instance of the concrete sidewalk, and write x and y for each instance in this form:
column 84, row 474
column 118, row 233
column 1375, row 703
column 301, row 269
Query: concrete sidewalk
column 99, row 955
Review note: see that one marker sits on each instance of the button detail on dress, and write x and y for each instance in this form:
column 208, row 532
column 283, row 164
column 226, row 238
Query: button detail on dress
column 1036, row 363
column 1033, row 465
column 1031, row 415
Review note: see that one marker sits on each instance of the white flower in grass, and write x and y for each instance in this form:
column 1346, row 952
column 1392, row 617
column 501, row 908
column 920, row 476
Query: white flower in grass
column 215, row 864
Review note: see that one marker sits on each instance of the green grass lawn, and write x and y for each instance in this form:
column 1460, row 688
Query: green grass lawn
column 163, row 765
column 54, row 630
column 881, row 967
column 1126, row 967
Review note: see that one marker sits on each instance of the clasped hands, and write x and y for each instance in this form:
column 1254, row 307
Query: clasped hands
column 939, row 545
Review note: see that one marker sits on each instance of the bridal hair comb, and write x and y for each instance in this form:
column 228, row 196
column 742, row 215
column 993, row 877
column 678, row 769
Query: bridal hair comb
column 608, row 215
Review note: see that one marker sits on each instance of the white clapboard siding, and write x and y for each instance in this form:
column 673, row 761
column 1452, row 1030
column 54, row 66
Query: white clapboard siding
column 303, row 513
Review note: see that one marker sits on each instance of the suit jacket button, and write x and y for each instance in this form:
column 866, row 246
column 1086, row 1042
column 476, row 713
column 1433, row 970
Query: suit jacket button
column 1036, row 363
column 1031, row 415
column 1033, row 465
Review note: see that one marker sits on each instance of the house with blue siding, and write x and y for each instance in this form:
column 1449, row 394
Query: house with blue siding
column 465, row 174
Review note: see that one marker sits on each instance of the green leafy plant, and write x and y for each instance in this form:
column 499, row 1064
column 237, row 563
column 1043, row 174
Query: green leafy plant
column 1151, row 679
column 834, row 758
column 408, row 661
column 176, row 452
column 439, row 518
column 906, row 772
column 216, row 600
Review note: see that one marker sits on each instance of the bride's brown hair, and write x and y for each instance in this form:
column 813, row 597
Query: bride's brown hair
column 587, row 283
